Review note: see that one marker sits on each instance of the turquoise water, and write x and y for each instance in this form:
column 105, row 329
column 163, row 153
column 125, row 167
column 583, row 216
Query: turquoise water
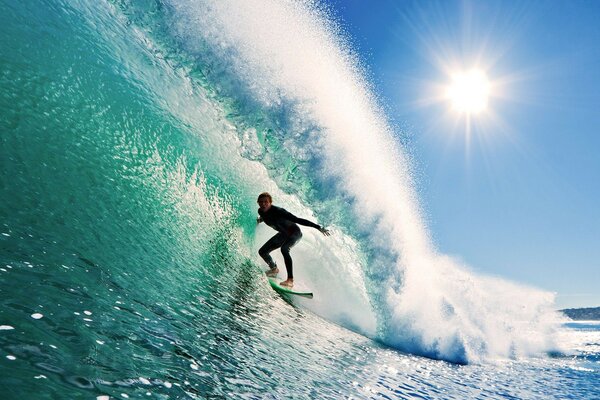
column 135, row 138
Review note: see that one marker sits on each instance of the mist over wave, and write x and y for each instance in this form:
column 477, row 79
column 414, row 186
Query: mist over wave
column 290, row 63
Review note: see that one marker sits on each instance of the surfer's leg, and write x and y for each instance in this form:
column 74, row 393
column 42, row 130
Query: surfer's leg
column 274, row 243
column 285, row 250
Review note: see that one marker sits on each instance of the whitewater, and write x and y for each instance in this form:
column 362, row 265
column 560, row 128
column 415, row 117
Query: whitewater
column 136, row 137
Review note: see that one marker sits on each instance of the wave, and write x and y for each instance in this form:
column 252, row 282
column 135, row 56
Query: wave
column 293, row 60
column 192, row 108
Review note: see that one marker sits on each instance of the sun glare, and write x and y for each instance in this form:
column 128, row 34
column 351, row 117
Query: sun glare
column 469, row 91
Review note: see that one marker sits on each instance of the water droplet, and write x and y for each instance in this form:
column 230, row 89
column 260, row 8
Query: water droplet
column 87, row 312
column 6, row 328
column 168, row 385
column 10, row 357
column 144, row 381
column 37, row 316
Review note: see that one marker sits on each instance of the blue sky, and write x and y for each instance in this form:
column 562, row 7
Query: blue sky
column 518, row 194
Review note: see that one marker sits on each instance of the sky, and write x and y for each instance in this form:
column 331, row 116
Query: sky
column 513, row 191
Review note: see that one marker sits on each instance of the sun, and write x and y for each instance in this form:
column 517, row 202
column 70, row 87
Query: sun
column 469, row 91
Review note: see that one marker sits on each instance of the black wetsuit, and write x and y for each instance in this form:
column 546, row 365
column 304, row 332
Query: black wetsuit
column 288, row 234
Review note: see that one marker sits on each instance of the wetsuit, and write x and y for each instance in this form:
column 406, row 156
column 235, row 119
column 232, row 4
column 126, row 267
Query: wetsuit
column 288, row 234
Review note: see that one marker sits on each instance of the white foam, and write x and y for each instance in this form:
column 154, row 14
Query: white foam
column 288, row 52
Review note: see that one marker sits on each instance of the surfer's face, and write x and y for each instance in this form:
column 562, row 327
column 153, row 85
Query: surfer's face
column 264, row 204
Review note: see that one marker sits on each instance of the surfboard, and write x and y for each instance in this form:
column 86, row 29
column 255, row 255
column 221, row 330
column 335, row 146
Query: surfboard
column 284, row 290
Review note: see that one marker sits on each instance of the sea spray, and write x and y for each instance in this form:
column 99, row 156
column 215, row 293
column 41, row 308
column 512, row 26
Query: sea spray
column 292, row 60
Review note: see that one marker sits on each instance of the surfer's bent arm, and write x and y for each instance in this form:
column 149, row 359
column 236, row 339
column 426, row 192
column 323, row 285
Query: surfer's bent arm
column 259, row 220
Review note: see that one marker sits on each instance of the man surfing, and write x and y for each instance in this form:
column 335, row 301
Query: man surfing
column 288, row 234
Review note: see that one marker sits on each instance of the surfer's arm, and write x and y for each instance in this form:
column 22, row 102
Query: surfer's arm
column 305, row 222
column 259, row 220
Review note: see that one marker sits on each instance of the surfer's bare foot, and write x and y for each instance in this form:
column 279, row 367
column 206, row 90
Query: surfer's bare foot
column 288, row 283
column 272, row 272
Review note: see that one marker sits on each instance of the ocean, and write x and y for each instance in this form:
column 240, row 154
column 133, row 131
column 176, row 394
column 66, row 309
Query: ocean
column 135, row 138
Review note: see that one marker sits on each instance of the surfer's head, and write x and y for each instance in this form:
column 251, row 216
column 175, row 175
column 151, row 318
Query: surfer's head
column 264, row 201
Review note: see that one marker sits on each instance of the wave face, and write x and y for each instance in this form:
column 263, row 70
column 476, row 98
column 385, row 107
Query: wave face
column 135, row 139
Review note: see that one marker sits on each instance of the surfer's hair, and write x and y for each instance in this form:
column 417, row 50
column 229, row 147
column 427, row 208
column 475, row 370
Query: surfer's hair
column 266, row 195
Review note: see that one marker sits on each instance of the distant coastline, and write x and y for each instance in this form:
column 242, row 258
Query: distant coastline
column 582, row 314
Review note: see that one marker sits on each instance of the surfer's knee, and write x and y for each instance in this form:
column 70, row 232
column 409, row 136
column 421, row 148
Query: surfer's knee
column 262, row 252
column 285, row 249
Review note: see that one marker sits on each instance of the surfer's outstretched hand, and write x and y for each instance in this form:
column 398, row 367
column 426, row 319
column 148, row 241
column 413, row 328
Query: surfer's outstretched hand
column 325, row 231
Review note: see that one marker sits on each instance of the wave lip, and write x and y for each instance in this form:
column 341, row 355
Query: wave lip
column 292, row 61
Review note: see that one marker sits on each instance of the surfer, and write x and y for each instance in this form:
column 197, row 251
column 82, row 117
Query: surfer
column 288, row 234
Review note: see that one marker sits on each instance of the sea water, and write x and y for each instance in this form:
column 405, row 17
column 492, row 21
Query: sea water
column 135, row 137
